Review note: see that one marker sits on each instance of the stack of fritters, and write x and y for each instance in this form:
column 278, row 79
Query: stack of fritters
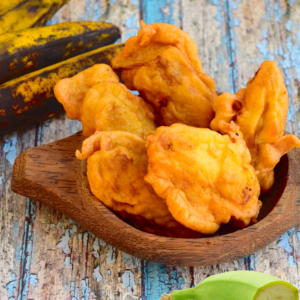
column 183, row 179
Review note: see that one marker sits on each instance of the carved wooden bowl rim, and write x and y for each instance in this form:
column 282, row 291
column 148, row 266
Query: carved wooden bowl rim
column 52, row 175
column 201, row 251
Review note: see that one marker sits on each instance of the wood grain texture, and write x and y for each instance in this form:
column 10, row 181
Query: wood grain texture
column 110, row 273
column 232, row 40
column 52, row 175
column 77, row 262
column 13, row 220
column 233, row 43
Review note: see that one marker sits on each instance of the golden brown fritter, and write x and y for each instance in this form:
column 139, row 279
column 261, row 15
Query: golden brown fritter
column 117, row 164
column 260, row 111
column 97, row 98
column 70, row 92
column 175, row 90
column 150, row 40
column 161, row 62
column 205, row 177
column 110, row 106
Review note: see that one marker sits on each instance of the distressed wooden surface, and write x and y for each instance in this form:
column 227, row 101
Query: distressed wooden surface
column 44, row 255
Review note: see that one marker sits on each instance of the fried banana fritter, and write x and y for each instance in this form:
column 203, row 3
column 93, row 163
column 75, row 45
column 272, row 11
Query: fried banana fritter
column 110, row 106
column 116, row 166
column 205, row 177
column 175, row 90
column 161, row 62
column 97, row 98
column 70, row 92
column 260, row 110
column 150, row 40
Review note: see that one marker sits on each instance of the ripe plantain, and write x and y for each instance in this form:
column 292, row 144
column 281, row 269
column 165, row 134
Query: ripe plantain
column 28, row 50
column 22, row 14
column 30, row 99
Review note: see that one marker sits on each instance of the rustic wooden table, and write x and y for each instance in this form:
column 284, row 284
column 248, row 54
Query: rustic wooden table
column 45, row 255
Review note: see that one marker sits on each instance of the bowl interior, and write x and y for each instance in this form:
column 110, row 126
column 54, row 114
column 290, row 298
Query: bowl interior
column 269, row 199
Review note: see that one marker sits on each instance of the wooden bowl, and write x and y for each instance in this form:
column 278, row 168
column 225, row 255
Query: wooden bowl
column 52, row 175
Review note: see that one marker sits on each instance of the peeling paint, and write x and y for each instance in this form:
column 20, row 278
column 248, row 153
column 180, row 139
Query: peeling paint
column 86, row 291
column 96, row 248
column 236, row 22
column 74, row 292
column 288, row 25
column 130, row 22
column 10, row 147
column 292, row 262
column 158, row 11
column 219, row 16
column 278, row 14
column 85, row 238
column 225, row 16
column 68, row 264
column 26, row 251
column 128, row 279
column 73, row 229
column 97, row 274
column 33, row 280
column 102, row 243
column 12, row 285
column 130, row 260
column 248, row 263
column 285, row 243
column 110, row 255
column 64, row 242
column 159, row 279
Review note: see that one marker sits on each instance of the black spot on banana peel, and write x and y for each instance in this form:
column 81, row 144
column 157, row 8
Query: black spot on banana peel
column 30, row 99
column 20, row 14
column 25, row 51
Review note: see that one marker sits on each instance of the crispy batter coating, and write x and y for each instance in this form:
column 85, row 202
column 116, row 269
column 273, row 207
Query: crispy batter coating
column 70, row 92
column 205, row 177
column 97, row 98
column 161, row 62
column 150, row 40
column 117, row 164
column 110, row 106
column 175, row 90
column 260, row 111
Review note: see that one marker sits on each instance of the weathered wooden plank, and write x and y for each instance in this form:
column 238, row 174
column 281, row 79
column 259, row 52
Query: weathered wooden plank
column 231, row 54
column 14, row 222
column 123, row 13
column 205, row 22
column 80, row 265
column 58, row 259
column 271, row 35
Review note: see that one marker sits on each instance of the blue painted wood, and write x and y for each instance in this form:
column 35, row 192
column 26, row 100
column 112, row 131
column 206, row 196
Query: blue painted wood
column 278, row 38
